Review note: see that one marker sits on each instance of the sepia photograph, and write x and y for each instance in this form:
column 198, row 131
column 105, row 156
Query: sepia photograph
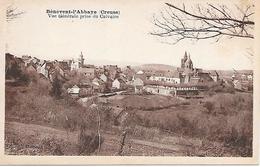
column 129, row 79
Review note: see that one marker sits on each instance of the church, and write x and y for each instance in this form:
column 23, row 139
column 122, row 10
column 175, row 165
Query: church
column 191, row 75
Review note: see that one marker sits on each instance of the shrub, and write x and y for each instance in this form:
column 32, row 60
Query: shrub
column 88, row 142
column 209, row 106
column 230, row 121
column 51, row 146
column 56, row 89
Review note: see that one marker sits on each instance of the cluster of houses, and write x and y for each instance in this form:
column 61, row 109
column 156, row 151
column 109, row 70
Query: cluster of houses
column 111, row 78
column 242, row 81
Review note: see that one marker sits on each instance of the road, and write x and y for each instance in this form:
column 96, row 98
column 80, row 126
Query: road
column 34, row 134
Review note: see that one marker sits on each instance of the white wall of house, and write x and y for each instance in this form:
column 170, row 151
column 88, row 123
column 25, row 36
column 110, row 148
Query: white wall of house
column 103, row 77
column 42, row 70
column 166, row 91
column 116, row 84
column 137, row 82
column 215, row 78
column 250, row 77
column 74, row 65
column 95, row 81
column 165, row 79
column 74, row 90
column 237, row 84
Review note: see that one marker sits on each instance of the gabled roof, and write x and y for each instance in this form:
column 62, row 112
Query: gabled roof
column 86, row 70
column 138, row 82
column 120, row 80
column 19, row 60
column 88, row 66
column 75, row 86
column 49, row 64
column 168, row 74
column 99, row 81
column 214, row 73
column 140, row 72
column 64, row 65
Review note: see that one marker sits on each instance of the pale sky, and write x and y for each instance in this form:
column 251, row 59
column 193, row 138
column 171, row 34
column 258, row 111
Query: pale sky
column 125, row 39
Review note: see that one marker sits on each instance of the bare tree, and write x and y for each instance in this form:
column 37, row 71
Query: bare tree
column 13, row 13
column 201, row 22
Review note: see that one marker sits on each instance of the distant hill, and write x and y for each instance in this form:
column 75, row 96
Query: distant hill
column 229, row 73
column 162, row 67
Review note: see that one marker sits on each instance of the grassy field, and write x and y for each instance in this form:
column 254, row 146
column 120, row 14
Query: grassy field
column 223, row 117
column 218, row 125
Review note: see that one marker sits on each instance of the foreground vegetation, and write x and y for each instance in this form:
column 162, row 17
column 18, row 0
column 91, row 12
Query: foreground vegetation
column 222, row 121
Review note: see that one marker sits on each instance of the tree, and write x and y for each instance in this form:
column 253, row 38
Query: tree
column 13, row 13
column 56, row 87
column 202, row 22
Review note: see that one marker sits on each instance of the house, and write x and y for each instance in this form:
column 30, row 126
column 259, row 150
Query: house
column 118, row 84
column 165, row 76
column 138, row 85
column 78, row 63
column 74, row 91
column 243, row 85
column 20, row 63
column 112, row 71
column 108, row 85
column 31, row 68
column 98, row 85
column 13, row 66
column 169, row 89
column 59, row 69
column 159, row 87
column 87, row 72
column 65, row 65
column 156, row 89
column 99, row 71
column 74, row 65
column 237, row 84
column 242, row 76
column 250, row 77
column 26, row 59
column 88, row 66
column 103, row 77
column 215, row 76
column 201, row 77
column 42, row 69
column 96, row 81
column 129, row 73
column 86, row 90
column 35, row 60
column 140, row 72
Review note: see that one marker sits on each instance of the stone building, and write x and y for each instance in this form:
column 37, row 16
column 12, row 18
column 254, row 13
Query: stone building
column 189, row 74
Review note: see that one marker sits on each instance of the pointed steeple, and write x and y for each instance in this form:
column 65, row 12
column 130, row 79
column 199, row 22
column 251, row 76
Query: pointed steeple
column 81, row 59
column 185, row 54
column 183, row 60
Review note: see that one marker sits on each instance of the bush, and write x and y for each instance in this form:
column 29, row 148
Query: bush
column 209, row 106
column 233, row 126
column 56, row 89
column 88, row 142
column 51, row 146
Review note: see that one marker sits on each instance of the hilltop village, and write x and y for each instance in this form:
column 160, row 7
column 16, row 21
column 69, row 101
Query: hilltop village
column 70, row 107
column 86, row 80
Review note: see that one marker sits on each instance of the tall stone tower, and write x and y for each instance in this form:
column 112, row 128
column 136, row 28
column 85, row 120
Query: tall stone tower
column 187, row 68
column 81, row 59
column 189, row 63
column 184, row 59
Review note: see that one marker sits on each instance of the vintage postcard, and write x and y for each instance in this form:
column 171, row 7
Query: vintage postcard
column 133, row 82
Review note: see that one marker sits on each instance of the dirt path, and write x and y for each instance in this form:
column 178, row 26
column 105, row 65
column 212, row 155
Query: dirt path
column 32, row 135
